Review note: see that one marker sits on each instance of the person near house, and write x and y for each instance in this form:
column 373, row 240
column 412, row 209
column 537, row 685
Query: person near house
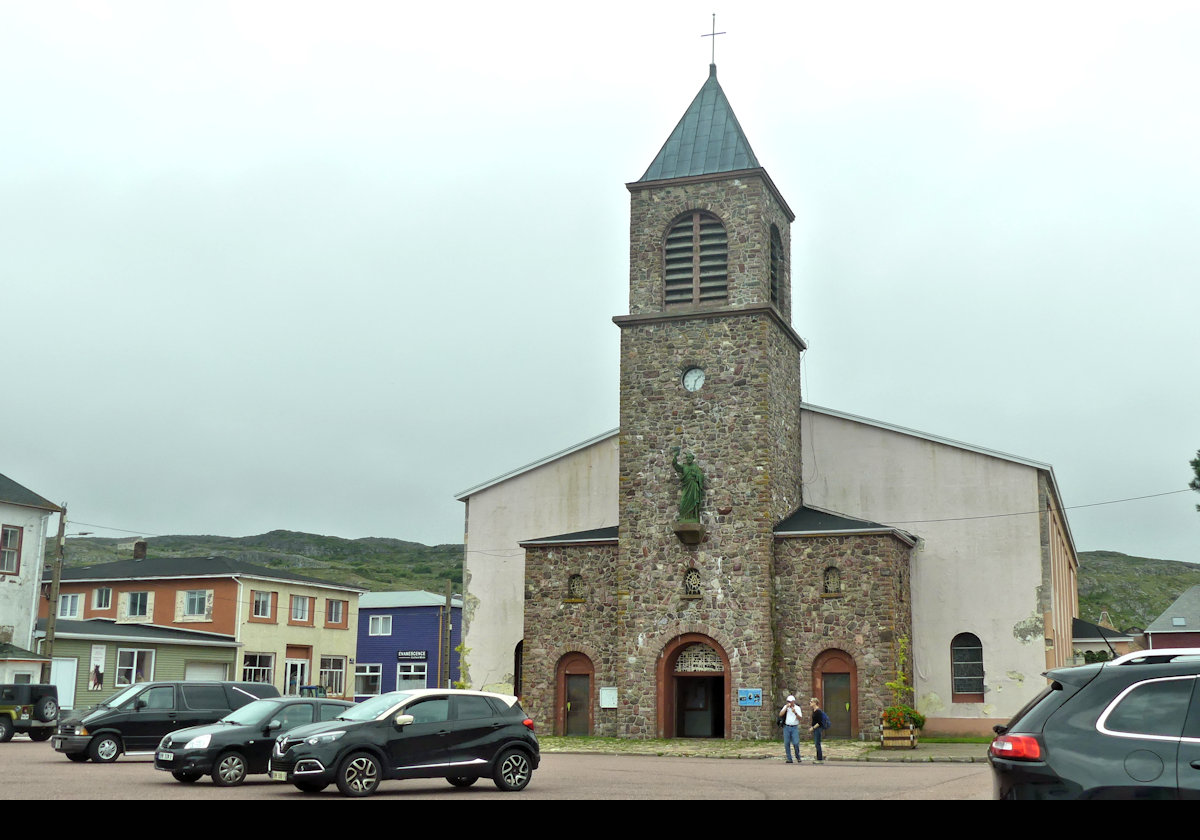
column 820, row 722
column 791, row 715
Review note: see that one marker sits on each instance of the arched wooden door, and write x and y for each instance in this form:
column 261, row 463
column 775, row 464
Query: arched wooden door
column 693, row 688
column 573, row 691
column 835, row 684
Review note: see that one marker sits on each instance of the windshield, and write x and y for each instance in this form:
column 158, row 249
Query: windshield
column 260, row 711
column 121, row 696
column 376, row 706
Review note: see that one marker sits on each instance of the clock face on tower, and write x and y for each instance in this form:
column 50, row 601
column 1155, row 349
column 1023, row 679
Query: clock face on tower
column 693, row 378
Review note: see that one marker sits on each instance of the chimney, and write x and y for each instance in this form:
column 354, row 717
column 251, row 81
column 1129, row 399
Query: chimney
column 139, row 550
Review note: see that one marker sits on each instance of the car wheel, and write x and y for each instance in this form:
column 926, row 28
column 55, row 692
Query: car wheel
column 311, row 787
column 513, row 770
column 186, row 778
column 104, row 749
column 80, row 757
column 229, row 770
column 358, row 775
column 462, row 781
column 40, row 734
column 46, row 709
column 6, row 729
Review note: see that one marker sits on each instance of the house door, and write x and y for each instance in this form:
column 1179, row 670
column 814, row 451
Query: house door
column 579, row 695
column 837, row 704
column 63, row 673
column 295, row 672
column 699, row 707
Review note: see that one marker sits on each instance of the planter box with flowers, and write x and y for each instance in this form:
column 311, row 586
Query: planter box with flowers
column 900, row 725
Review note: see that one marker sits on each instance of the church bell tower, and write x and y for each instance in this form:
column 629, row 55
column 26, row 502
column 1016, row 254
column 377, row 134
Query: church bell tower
column 710, row 432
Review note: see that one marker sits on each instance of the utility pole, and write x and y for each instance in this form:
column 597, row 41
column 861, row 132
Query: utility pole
column 55, row 582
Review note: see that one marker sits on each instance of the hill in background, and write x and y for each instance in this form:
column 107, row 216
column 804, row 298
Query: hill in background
column 374, row 563
column 1134, row 590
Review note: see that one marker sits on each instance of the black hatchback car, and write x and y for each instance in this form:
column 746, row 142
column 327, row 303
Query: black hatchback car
column 239, row 743
column 461, row 736
column 1126, row 729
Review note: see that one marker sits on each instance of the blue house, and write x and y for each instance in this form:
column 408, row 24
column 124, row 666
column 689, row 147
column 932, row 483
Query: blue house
column 406, row 640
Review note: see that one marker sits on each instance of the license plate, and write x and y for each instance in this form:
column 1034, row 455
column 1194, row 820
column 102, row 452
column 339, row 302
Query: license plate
column 166, row 756
column 278, row 776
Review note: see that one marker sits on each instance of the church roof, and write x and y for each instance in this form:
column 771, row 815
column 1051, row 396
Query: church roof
column 708, row 139
column 596, row 535
column 15, row 494
column 807, row 521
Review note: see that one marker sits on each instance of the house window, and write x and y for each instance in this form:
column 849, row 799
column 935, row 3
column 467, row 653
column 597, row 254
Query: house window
column 695, row 257
column 300, row 609
column 966, row 665
column 381, row 625
column 10, row 550
column 195, row 603
column 335, row 612
column 776, row 263
column 831, row 584
column 367, row 679
column 102, row 598
column 262, row 604
column 693, row 586
column 333, row 674
column 139, row 604
column 68, row 606
column 411, row 675
column 258, row 667
column 134, row 666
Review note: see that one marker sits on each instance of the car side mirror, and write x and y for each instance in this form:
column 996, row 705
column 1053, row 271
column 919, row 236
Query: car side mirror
column 275, row 724
column 404, row 720
column 139, row 704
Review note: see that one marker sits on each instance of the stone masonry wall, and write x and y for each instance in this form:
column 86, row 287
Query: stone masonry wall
column 557, row 624
column 872, row 612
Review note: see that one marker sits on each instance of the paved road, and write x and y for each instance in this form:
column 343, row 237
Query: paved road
column 35, row 771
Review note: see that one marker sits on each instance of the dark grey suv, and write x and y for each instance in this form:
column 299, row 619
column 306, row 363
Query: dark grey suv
column 1126, row 729
column 461, row 736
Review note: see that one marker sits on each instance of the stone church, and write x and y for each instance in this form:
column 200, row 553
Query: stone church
column 811, row 546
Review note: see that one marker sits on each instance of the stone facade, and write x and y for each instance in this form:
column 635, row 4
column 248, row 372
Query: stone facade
column 865, row 614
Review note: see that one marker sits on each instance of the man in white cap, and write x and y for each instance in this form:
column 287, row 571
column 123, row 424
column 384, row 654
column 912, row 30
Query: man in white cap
column 791, row 715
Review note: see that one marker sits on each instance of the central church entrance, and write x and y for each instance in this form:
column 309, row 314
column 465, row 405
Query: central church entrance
column 693, row 689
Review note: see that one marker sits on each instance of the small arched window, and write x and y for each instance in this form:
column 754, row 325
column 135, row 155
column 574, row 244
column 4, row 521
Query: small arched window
column 575, row 588
column 695, row 260
column 966, row 669
column 832, row 584
column 776, row 264
column 691, row 584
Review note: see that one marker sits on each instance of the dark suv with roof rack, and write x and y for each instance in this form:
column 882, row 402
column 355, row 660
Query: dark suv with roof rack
column 1126, row 729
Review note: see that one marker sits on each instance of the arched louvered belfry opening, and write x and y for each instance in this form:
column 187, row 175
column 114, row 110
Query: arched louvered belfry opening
column 695, row 260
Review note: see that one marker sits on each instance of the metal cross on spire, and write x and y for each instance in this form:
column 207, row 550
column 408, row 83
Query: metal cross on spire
column 713, row 35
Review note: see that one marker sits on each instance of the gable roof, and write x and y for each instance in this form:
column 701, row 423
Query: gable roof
column 812, row 522
column 1086, row 631
column 708, row 139
column 1185, row 607
column 14, row 494
column 596, row 536
column 190, row 567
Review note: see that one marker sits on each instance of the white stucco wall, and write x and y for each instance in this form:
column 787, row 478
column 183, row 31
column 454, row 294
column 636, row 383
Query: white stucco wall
column 976, row 570
column 19, row 593
column 575, row 492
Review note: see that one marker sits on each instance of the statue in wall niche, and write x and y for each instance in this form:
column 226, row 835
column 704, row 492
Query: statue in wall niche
column 692, row 479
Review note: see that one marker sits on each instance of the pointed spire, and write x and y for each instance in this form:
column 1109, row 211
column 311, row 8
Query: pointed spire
column 707, row 140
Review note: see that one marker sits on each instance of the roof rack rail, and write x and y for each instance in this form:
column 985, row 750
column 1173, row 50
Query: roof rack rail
column 1153, row 656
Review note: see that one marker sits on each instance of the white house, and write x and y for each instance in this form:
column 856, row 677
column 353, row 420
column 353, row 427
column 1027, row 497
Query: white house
column 24, row 523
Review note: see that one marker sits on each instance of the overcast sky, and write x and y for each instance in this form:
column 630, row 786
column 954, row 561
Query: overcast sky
column 320, row 266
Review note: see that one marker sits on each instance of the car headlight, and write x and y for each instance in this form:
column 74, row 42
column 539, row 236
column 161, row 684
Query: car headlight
column 325, row 737
column 200, row 742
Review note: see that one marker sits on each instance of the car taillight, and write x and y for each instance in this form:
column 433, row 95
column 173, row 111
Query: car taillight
column 528, row 724
column 1017, row 747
